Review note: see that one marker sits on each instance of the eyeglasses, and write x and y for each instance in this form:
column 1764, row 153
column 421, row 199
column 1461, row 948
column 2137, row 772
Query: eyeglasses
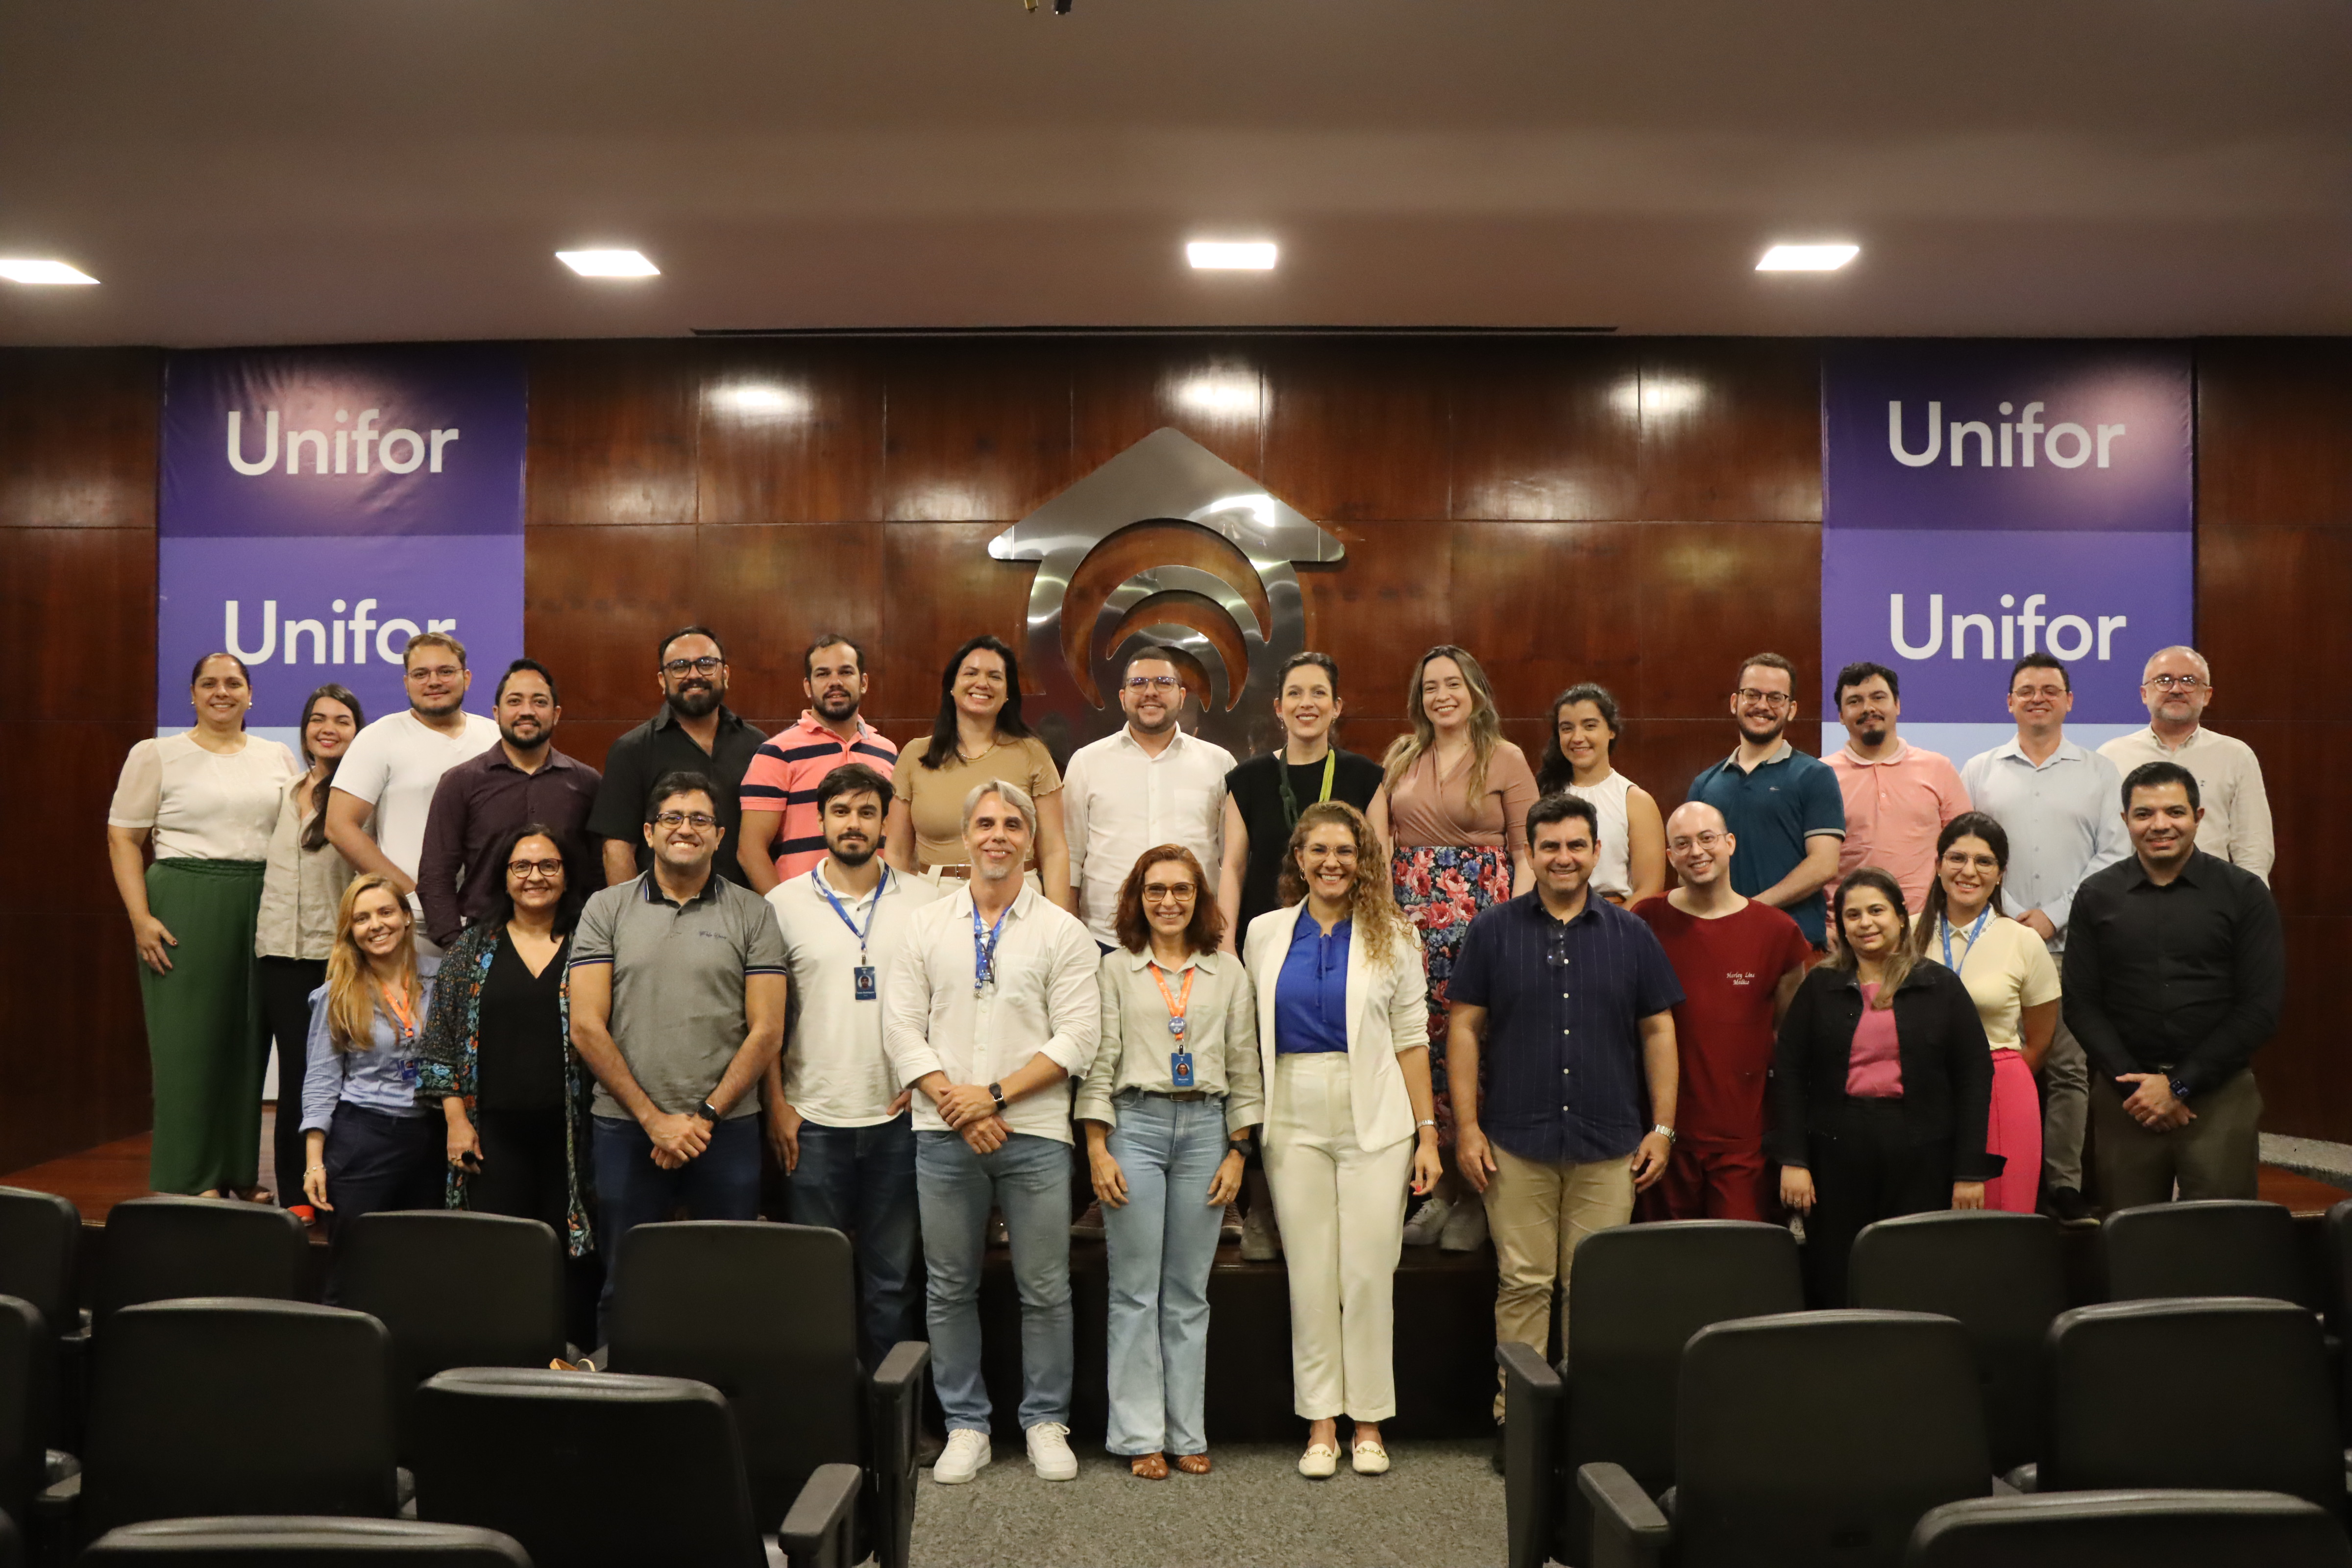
column 1142, row 683
column 1775, row 700
column 698, row 820
column 1708, row 840
column 1166, row 893
column 2176, row 682
column 524, row 871
column 2051, row 692
column 709, row 664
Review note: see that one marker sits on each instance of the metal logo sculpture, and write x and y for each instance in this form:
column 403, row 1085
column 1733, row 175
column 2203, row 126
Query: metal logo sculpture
column 1167, row 477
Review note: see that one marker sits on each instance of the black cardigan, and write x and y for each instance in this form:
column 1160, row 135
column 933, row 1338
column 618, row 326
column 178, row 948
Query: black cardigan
column 1947, row 1063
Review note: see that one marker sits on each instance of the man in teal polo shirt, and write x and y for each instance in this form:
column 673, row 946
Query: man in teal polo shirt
column 1783, row 808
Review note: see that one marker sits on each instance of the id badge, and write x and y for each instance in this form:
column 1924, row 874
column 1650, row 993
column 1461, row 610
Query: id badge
column 1180, row 1068
column 864, row 974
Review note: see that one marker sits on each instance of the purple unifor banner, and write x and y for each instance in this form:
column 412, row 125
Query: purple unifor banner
column 322, row 506
column 1982, row 501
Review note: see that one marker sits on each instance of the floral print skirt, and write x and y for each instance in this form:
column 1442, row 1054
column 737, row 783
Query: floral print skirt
column 1441, row 887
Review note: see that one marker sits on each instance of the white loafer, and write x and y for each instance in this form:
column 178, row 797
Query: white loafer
column 1321, row 1462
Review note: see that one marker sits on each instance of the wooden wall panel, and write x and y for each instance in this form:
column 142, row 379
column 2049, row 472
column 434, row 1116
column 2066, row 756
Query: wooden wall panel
column 975, row 430
column 78, row 606
column 78, row 435
column 1358, row 427
column 1731, row 430
column 1547, row 429
column 2271, row 423
column 613, row 430
column 1212, row 390
column 790, row 432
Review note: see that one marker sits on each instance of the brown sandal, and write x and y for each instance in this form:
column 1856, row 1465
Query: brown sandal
column 1192, row 1464
column 1149, row 1467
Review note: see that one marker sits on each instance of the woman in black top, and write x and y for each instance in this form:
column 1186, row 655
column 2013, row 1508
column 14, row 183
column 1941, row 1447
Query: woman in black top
column 498, row 1051
column 1881, row 1079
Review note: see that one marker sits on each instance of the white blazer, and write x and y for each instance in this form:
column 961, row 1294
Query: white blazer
column 1387, row 1013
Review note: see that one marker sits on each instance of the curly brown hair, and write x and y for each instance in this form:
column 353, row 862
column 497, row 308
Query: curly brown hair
column 1371, row 901
column 1133, row 927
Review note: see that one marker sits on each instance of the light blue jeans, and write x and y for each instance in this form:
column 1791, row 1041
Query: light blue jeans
column 1161, row 1243
column 1029, row 1179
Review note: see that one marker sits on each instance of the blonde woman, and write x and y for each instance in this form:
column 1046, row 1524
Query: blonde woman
column 370, row 1145
column 1455, row 796
column 1343, row 1049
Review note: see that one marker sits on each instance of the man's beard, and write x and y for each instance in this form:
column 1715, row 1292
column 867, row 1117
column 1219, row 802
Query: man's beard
column 694, row 704
column 1773, row 730
column 853, row 858
column 456, row 700
column 539, row 737
column 837, row 708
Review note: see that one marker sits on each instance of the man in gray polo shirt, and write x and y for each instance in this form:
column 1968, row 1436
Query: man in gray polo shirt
column 678, row 1007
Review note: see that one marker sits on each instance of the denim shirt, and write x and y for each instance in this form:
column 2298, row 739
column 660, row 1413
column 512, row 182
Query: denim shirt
column 381, row 1078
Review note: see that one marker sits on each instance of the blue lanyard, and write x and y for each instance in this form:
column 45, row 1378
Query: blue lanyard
column 984, row 953
column 1974, row 931
column 871, row 910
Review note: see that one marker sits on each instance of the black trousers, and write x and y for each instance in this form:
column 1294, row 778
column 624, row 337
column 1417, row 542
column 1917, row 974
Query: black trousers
column 376, row 1161
column 522, row 1170
column 286, row 987
column 1866, row 1167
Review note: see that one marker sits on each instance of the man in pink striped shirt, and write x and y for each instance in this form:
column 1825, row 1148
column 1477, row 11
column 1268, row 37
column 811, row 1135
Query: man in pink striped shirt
column 1898, row 796
column 783, row 832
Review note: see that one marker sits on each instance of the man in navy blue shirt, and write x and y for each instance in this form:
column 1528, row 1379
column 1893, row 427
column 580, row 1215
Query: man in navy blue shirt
column 1783, row 808
column 1570, row 1001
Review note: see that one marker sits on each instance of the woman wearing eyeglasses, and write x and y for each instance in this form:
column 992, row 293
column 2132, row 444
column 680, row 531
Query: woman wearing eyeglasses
column 497, row 1049
column 1168, row 1110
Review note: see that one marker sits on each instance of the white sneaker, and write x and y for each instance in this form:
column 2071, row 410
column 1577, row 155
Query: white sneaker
column 1428, row 1223
column 1049, row 1452
column 966, row 1453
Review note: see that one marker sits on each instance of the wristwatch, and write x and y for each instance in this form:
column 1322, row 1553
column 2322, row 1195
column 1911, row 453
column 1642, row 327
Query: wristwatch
column 1665, row 1132
column 708, row 1113
column 996, row 1092
column 1237, row 1146
column 2179, row 1089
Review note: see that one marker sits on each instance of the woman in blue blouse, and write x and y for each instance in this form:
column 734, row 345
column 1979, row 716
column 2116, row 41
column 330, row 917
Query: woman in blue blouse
column 1343, row 1043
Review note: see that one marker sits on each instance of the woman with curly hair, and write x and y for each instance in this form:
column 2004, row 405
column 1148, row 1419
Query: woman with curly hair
column 1343, row 1049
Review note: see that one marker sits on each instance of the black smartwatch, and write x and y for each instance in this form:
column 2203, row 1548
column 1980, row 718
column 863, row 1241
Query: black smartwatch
column 2179, row 1089
column 996, row 1092
column 708, row 1113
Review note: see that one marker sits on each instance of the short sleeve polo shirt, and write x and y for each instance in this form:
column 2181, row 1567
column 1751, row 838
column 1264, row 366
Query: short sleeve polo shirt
column 1773, row 809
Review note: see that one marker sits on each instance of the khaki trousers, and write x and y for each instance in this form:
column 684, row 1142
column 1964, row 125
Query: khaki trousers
column 1538, row 1215
column 2216, row 1156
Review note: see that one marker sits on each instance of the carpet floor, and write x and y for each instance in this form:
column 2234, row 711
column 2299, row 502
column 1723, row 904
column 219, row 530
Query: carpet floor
column 1440, row 1506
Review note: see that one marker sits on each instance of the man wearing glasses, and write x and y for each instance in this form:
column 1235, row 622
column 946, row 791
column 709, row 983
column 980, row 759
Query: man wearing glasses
column 678, row 1007
column 1783, row 809
column 693, row 733
column 1149, row 784
column 2177, row 684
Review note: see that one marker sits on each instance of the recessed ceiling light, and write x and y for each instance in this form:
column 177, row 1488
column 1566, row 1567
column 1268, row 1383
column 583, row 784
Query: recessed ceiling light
column 1807, row 257
column 24, row 270
column 608, row 263
column 1231, row 256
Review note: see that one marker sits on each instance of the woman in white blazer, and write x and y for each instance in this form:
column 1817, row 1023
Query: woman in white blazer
column 1343, row 1040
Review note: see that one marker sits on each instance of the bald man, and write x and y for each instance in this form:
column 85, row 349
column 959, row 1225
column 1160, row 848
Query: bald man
column 2177, row 684
column 1740, row 962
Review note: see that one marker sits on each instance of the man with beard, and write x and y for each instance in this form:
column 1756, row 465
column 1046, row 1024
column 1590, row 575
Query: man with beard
column 782, row 835
column 2176, row 685
column 1783, row 806
column 394, row 765
column 521, row 780
column 839, row 1124
column 693, row 733
column 1897, row 795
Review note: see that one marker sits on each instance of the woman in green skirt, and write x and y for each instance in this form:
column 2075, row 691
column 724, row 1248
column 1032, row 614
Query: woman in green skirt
column 208, row 799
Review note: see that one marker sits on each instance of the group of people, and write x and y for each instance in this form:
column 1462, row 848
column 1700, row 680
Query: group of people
column 959, row 991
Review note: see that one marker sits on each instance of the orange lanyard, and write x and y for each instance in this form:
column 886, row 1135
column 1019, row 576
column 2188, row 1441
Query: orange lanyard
column 401, row 1013
column 1176, row 1001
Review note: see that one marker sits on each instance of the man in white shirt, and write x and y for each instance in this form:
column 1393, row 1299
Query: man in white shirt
column 990, row 1005
column 395, row 764
column 1149, row 784
column 2177, row 684
column 837, row 1119
column 2056, row 801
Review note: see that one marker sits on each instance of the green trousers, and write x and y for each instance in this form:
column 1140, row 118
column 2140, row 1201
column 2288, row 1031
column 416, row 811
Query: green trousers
column 205, row 1035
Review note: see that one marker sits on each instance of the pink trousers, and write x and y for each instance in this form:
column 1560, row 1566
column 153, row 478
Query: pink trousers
column 2013, row 1130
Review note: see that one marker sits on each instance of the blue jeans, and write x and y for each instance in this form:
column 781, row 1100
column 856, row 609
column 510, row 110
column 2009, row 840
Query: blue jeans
column 722, row 1182
column 1161, row 1243
column 1029, row 1179
column 860, row 1181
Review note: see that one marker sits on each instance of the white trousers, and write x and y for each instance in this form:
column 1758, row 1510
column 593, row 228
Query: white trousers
column 1341, row 1211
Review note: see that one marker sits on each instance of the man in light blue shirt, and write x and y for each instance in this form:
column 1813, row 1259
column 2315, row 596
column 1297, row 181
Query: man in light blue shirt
column 2057, row 802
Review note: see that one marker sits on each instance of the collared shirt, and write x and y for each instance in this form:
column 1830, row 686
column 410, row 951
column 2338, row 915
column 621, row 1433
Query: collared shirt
column 1118, row 800
column 1135, row 1048
column 835, row 1071
column 1311, row 994
column 476, row 802
column 1042, row 996
column 1564, row 1081
column 1894, row 807
column 381, row 1078
column 2186, row 978
column 2064, row 817
column 2005, row 968
column 661, row 745
column 394, row 765
column 2237, row 825
column 784, row 776
column 1775, row 809
column 677, row 983
column 301, row 889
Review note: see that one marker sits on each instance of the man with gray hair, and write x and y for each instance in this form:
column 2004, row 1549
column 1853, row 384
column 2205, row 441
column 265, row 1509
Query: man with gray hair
column 2176, row 685
column 990, row 1007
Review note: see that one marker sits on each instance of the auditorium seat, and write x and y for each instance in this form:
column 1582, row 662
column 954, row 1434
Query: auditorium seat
column 299, row 1543
column 164, row 1248
column 1637, row 1295
column 2230, row 1393
column 221, row 1405
column 454, row 1290
column 767, row 1314
column 28, row 1390
column 2003, row 1275
column 2214, row 1247
column 1802, row 1440
column 592, row 1469
column 40, row 1237
column 2130, row 1529
column 12, row 1544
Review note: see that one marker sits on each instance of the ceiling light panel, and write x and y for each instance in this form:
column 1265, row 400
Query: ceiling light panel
column 1231, row 256
column 1807, row 257
column 608, row 263
column 24, row 269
